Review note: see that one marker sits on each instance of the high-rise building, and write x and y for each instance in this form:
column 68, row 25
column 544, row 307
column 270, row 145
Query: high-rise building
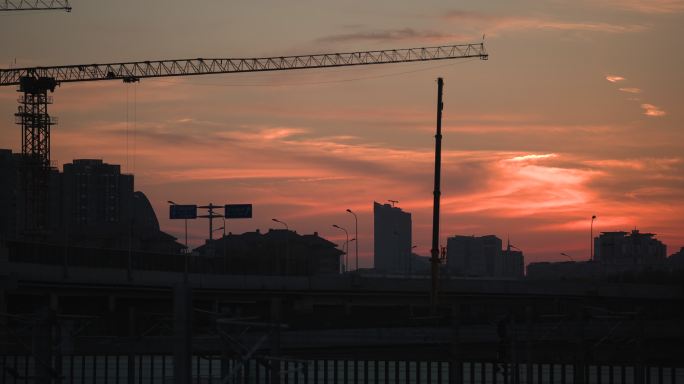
column 91, row 204
column 9, row 193
column 483, row 257
column 635, row 248
column 392, row 233
column 474, row 256
column 512, row 263
column 96, row 195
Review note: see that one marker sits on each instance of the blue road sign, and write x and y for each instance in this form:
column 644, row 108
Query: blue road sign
column 182, row 211
column 238, row 211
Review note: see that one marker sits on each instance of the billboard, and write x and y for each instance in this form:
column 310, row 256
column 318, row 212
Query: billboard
column 178, row 211
column 238, row 211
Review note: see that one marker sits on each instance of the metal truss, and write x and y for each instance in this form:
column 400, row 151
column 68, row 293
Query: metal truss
column 134, row 71
column 34, row 5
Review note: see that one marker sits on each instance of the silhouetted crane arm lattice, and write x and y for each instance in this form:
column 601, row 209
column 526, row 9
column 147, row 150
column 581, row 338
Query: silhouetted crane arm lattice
column 135, row 70
column 34, row 5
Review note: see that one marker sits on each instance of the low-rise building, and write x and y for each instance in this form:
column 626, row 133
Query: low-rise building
column 276, row 252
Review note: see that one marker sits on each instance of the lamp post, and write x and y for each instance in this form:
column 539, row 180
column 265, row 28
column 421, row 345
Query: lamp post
column 346, row 246
column 591, row 238
column 283, row 223
column 350, row 241
column 356, row 230
column 410, row 260
column 186, row 228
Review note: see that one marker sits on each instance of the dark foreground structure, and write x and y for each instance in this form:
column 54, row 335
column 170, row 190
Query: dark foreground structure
column 91, row 321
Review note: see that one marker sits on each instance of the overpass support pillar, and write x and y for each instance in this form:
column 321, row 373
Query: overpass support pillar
column 580, row 368
column 3, row 311
column 42, row 345
column 456, row 360
column 528, row 347
column 276, row 320
column 639, row 369
column 132, row 331
column 182, row 329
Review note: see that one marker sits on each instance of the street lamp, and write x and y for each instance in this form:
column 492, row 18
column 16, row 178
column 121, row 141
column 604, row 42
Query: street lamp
column 356, row 230
column 282, row 222
column 568, row 256
column 346, row 247
column 591, row 239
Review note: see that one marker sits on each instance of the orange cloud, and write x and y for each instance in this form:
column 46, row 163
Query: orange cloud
column 614, row 78
column 652, row 110
column 402, row 34
column 648, row 6
column 492, row 23
column 533, row 157
column 630, row 90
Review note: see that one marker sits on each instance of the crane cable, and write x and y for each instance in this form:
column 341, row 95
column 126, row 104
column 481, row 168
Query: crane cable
column 131, row 127
column 128, row 169
column 135, row 123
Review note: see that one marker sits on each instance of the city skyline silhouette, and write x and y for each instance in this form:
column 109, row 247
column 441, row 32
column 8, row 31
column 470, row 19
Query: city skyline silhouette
column 536, row 140
column 341, row 192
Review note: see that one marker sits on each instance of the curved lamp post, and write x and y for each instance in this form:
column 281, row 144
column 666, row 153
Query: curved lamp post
column 346, row 247
column 282, row 222
column 356, row 230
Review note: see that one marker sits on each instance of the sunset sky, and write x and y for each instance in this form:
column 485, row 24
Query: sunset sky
column 578, row 112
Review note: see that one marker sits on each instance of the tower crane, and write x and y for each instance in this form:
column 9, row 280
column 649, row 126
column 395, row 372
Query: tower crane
column 35, row 82
column 34, row 5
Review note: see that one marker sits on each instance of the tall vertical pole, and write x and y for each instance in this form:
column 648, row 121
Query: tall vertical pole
column 591, row 238
column 356, row 231
column 435, row 207
column 186, row 235
column 211, row 221
column 182, row 329
column 211, row 215
column 186, row 255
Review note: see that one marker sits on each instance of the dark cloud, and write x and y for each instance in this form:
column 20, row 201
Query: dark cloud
column 404, row 34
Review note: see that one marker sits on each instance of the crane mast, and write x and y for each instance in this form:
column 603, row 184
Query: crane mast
column 35, row 5
column 35, row 82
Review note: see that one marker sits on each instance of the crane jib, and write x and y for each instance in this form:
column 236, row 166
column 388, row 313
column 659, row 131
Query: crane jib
column 134, row 71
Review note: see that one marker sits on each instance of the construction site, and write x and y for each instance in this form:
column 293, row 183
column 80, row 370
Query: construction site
column 92, row 290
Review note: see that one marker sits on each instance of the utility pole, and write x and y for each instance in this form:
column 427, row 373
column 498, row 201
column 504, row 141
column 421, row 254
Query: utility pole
column 434, row 260
column 211, row 215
